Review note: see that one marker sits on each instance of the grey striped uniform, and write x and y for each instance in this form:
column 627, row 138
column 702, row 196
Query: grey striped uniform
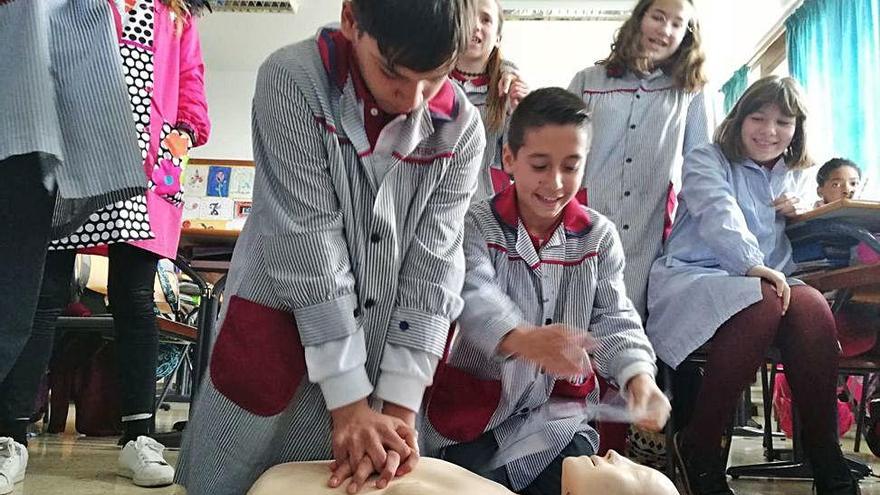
column 576, row 279
column 340, row 251
column 63, row 94
column 478, row 96
column 642, row 128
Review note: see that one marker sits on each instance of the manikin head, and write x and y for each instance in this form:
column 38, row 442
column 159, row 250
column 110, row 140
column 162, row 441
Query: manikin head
column 612, row 474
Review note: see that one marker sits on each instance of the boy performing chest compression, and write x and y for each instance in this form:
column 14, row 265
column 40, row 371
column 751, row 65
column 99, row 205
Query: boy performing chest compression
column 544, row 284
column 350, row 266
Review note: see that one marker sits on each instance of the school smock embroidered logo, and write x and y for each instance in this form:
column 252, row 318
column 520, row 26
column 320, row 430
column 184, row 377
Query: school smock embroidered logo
column 166, row 177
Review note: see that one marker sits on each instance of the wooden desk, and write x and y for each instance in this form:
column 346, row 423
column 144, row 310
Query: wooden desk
column 213, row 237
column 193, row 239
column 864, row 214
column 856, row 219
column 852, row 277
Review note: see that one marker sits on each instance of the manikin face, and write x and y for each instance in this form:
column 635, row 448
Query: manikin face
column 486, row 35
column 547, row 170
column 612, row 474
column 663, row 27
column 397, row 90
column 766, row 133
column 842, row 182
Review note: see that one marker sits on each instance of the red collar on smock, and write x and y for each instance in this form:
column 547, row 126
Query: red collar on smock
column 483, row 80
column 574, row 217
column 340, row 62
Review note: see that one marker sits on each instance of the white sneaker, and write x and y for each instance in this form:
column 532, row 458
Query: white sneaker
column 13, row 463
column 142, row 461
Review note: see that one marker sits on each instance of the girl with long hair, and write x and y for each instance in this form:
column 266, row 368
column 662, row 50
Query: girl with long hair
column 648, row 111
column 494, row 86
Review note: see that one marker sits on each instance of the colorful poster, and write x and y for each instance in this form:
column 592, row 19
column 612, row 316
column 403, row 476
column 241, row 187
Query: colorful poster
column 217, row 196
column 218, row 181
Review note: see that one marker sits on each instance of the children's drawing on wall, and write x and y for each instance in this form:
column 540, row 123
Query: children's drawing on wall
column 192, row 208
column 241, row 183
column 195, row 180
column 218, row 181
column 217, row 209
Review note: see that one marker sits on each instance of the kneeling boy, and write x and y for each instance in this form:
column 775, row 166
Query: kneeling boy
column 544, row 285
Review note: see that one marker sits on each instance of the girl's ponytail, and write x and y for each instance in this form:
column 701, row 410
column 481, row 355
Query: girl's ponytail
column 496, row 105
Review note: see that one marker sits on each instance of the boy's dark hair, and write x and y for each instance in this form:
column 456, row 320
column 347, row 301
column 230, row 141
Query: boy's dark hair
column 832, row 165
column 546, row 106
column 786, row 93
column 421, row 35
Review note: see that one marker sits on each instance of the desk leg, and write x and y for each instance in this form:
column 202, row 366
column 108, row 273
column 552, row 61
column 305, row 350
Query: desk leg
column 208, row 311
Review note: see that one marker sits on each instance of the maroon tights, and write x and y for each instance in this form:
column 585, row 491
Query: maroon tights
column 806, row 337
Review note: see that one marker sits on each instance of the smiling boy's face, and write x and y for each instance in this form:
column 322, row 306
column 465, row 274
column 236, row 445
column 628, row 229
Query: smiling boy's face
column 547, row 169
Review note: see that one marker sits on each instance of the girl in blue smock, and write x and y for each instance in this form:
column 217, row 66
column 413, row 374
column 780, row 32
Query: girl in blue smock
column 723, row 277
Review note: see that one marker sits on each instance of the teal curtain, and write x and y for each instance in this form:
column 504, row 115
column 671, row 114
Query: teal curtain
column 735, row 87
column 834, row 52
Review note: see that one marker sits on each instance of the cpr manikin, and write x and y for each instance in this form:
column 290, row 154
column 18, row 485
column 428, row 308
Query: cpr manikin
column 612, row 474
column 609, row 475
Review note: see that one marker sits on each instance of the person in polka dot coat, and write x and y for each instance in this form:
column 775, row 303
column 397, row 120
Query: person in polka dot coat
column 164, row 76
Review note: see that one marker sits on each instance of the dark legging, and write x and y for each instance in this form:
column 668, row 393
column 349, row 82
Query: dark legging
column 25, row 226
column 807, row 339
column 130, row 289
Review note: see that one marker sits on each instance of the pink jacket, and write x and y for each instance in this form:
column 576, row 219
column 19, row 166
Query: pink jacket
column 178, row 96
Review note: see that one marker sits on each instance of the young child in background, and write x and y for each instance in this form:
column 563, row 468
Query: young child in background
column 648, row 111
column 838, row 178
column 544, row 284
column 491, row 84
column 349, row 269
column 723, row 278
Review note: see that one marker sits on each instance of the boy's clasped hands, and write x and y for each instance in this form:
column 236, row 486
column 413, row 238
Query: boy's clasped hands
column 366, row 442
column 562, row 351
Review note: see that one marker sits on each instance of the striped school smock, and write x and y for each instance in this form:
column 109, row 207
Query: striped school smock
column 642, row 128
column 63, row 95
column 492, row 178
column 576, row 278
column 346, row 242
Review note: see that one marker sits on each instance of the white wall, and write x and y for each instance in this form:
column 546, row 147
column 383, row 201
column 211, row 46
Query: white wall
column 234, row 46
column 548, row 53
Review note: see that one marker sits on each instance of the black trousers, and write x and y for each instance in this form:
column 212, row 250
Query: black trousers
column 475, row 456
column 130, row 290
column 25, row 225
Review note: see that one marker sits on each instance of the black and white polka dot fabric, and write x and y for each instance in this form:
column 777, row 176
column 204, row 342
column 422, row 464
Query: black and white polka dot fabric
column 128, row 220
column 137, row 24
column 122, row 221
